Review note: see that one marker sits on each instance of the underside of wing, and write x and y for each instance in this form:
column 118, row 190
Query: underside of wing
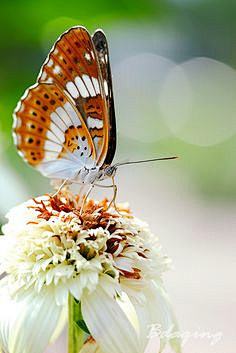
column 50, row 133
column 101, row 46
column 73, row 66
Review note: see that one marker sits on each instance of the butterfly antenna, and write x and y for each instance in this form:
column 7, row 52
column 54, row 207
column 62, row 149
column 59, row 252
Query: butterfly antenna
column 146, row 161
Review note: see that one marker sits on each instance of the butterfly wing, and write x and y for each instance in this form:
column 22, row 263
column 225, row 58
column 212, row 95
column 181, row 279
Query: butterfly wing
column 101, row 46
column 73, row 65
column 62, row 123
column 50, row 133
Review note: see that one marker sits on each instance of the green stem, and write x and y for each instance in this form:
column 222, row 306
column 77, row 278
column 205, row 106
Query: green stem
column 76, row 335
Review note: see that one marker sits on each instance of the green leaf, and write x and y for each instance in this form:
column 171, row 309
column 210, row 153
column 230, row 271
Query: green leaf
column 79, row 318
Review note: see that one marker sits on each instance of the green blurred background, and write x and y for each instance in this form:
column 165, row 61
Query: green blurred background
column 173, row 64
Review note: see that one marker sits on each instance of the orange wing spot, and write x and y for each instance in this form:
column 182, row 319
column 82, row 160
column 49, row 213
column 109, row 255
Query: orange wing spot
column 94, row 107
column 72, row 135
column 95, row 132
column 97, row 136
column 31, row 145
column 33, row 156
column 31, row 129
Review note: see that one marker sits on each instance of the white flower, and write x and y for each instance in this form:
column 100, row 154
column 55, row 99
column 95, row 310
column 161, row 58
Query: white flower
column 110, row 263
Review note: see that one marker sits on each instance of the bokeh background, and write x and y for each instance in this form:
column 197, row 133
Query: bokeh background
column 173, row 64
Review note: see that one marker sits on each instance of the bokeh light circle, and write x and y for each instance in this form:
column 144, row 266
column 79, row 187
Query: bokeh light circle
column 198, row 101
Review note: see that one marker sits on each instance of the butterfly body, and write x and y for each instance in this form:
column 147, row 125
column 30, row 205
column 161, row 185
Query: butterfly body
column 94, row 174
column 64, row 125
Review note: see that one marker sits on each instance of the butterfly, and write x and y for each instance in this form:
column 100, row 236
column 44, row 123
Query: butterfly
column 64, row 125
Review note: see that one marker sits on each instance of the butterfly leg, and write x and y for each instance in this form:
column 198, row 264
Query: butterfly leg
column 85, row 198
column 60, row 187
column 103, row 186
column 113, row 201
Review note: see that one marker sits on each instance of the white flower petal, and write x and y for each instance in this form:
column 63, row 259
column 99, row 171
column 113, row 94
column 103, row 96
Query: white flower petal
column 134, row 289
column 19, row 215
column 60, row 324
column 28, row 321
column 153, row 308
column 74, row 287
column 174, row 340
column 108, row 323
column 61, row 293
column 136, row 292
column 128, row 308
column 161, row 313
column 143, row 317
column 124, row 263
column 110, row 285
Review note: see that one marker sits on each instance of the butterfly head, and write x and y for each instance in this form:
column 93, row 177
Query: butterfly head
column 109, row 171
column 94, row 174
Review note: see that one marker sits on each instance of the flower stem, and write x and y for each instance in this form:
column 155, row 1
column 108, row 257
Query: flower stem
column 76, row 335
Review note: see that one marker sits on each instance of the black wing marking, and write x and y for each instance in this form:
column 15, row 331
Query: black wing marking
column 101, row 46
